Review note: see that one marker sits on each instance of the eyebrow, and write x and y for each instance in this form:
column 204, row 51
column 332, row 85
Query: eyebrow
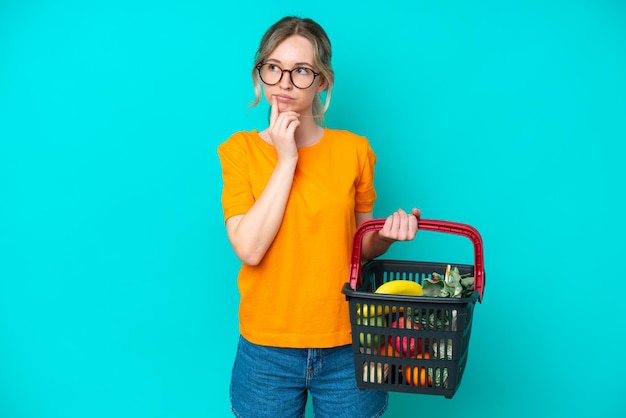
column 297, row 64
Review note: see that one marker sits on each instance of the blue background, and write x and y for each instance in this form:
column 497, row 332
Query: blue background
column 118, row 289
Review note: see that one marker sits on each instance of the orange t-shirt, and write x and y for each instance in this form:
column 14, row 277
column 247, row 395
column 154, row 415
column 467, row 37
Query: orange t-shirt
column 293, row 297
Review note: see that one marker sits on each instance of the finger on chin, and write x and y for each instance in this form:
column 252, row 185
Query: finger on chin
column 273, row 109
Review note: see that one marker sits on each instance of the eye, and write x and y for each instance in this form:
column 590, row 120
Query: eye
column 273, row 68
column 303, row 71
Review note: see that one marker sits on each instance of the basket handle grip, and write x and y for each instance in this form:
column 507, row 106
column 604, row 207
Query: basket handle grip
column 427, row 225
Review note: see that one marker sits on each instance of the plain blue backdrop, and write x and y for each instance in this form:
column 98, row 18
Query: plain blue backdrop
column 118, row 292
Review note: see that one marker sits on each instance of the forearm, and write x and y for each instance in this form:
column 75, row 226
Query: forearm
column 400, row 226
column 374, row 245
column 253, row 233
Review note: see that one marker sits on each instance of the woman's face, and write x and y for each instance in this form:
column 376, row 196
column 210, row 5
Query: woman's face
column 294, row 52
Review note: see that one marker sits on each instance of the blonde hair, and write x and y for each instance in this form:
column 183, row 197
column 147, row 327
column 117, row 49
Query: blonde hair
column 283, row 29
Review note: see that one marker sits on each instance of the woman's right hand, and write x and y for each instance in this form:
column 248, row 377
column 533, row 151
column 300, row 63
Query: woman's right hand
column 282, row 131
column 252, row 234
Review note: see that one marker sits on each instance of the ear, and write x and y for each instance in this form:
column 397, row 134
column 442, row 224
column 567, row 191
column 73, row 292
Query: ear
column 323, row 85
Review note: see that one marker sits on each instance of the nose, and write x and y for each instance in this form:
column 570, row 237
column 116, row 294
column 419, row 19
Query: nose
column 285, row 80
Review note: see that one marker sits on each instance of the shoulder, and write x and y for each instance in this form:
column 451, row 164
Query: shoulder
column 237, row 138
column 238, row 141
column 345, row 138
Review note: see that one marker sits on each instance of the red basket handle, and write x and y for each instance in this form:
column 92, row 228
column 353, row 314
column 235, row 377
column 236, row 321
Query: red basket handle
column 427, row 225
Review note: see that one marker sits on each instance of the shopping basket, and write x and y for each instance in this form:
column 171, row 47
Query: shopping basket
column 412, row 344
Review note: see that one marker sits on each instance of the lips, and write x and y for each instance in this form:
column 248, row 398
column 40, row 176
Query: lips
column 283, row 99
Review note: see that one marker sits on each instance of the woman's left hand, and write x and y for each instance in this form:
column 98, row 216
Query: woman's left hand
column 400, row 226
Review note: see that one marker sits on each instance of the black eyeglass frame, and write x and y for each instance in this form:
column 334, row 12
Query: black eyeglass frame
column 282, row 72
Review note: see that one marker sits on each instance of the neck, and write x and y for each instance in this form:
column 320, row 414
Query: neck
column 308, row 133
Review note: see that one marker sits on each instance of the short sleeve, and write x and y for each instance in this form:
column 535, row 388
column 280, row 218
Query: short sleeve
column 237, row 196
column 365, row 192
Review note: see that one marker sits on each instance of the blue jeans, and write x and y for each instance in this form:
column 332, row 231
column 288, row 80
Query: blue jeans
column 274, row 382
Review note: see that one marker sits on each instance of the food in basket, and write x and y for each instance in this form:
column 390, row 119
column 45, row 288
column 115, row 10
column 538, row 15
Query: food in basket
column 371, row 320
column 375, row 372
column 440, row 320
column 442, row 349
column 389, row 350
column 444, row 325
column 417, row 376
column 404, row 344
column 370, row 339
column 452, row 284
column 372, row 310
column 400, row 287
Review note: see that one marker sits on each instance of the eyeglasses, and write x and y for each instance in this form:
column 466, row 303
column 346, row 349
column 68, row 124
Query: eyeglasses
column 301, row 77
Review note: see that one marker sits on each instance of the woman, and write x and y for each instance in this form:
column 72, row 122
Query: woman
column 294, row 194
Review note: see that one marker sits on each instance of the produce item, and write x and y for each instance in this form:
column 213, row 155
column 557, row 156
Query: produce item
column 375, row 310
column 389, row 350
column 452, row 284
column 400, row 287
column 375, row 372
column 442, row 349
column 403, row 344
column 441, row 320
column 441, row 377
column 370, row 339
column 417, row 376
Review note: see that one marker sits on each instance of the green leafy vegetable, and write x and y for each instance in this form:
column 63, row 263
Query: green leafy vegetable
column 457, row 285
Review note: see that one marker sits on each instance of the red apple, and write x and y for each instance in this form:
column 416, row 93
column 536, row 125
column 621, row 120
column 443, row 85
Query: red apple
column 407, row 343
